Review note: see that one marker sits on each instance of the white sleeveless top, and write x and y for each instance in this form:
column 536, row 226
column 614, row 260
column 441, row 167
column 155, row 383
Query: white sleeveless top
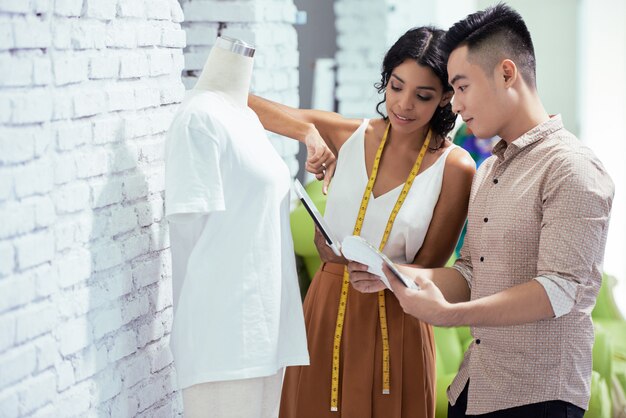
column 413, row 219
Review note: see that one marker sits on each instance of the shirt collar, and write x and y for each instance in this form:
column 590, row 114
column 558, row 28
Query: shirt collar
column 503, row 151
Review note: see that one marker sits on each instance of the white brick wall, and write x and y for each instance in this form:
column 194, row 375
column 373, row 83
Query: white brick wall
column 362, row 27
column 87, row 90
column 366, row 29
column 268, row 25
column 361, row 52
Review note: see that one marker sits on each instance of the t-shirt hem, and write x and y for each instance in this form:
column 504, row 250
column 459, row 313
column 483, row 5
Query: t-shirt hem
column 248, row 373
column 205, row 206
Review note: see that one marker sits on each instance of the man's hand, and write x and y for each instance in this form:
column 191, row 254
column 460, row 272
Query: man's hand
column 362, row 280
column 426, row 304
column 320, row 160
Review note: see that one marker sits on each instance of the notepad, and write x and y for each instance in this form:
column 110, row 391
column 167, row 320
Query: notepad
column 354, row 248
column 357, row 249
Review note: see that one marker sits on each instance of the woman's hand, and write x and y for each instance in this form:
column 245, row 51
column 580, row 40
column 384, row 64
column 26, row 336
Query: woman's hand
column 326, row 253
column 362, row 280
column 320, row 160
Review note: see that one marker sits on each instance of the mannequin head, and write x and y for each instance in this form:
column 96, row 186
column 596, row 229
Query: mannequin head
column 228, row 69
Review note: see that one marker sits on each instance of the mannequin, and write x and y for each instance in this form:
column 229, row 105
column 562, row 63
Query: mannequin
column 228, row 69
column 235, row 289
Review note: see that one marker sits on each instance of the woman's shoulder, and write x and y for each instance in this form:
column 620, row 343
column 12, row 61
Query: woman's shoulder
column 459, row 159
column 349, row 128
column 375, row 129
column 378, row 124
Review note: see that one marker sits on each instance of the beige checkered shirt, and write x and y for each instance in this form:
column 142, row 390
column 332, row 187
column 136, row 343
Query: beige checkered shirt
column 539, row 207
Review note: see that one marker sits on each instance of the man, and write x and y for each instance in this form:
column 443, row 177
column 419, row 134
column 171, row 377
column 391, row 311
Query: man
column 530, row 267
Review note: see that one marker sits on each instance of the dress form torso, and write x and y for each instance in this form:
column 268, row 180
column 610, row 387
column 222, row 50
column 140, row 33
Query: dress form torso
column 233, row 276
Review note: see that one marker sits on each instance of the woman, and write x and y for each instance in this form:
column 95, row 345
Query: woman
column 403, row 186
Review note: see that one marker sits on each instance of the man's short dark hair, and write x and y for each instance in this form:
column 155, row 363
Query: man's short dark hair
column 494, row 34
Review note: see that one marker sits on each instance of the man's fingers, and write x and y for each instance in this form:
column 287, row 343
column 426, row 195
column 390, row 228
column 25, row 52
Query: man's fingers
column 421, row 282
column 395, row 284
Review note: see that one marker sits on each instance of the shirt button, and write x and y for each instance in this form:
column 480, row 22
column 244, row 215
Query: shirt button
column 486, row 219
column 482, row 258
column 478, row 341
column 495, row 181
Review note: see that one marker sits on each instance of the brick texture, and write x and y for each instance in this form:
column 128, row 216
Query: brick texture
column 88, row 89
column 268, row 25
column 81, row 82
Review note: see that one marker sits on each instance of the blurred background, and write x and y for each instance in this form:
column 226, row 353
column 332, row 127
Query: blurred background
column 581, row 71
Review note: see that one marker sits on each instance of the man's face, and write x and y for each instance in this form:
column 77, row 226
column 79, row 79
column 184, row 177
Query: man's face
column 476, row 96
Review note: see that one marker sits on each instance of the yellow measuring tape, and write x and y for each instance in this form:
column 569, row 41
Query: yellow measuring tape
column 343, row 300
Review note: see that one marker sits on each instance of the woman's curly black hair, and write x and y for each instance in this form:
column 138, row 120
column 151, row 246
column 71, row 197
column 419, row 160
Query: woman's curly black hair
column 423, row 45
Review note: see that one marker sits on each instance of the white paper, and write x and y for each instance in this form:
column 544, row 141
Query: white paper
column 357, row 249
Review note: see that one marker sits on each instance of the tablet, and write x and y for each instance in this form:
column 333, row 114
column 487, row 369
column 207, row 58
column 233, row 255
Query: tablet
column 317, row 217
column 357, row 249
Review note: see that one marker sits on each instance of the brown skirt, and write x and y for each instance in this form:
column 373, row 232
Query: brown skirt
column 306, row 389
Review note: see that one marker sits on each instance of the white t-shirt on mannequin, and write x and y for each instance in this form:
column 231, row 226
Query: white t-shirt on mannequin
column 237, row 308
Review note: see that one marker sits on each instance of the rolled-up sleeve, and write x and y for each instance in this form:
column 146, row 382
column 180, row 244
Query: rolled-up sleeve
column 577, row 202
column 463, row 264
column 561, row 292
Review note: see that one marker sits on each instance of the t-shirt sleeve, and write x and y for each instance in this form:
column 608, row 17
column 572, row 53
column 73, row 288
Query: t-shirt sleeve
column 193, row 178
column 463, row 264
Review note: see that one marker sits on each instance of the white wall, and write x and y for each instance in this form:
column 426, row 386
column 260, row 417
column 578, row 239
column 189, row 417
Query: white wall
column 361, row 44
column 602, row 83
column 581, row 73
column 87, row 90
column 317, row 38
column 366, row 30
column 554, row 28
column 268, row 25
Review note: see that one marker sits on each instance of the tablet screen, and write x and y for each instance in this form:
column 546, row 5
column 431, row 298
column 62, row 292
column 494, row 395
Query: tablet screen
column 317, row 216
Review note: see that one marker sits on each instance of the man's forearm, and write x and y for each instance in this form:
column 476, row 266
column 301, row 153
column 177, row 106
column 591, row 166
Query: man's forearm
column 521, row 304
column 451, row 283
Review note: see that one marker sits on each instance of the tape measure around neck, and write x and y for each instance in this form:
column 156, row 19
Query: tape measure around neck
column 343, row 300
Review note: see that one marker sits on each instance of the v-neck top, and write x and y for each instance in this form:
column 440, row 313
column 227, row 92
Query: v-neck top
column 413, row 219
